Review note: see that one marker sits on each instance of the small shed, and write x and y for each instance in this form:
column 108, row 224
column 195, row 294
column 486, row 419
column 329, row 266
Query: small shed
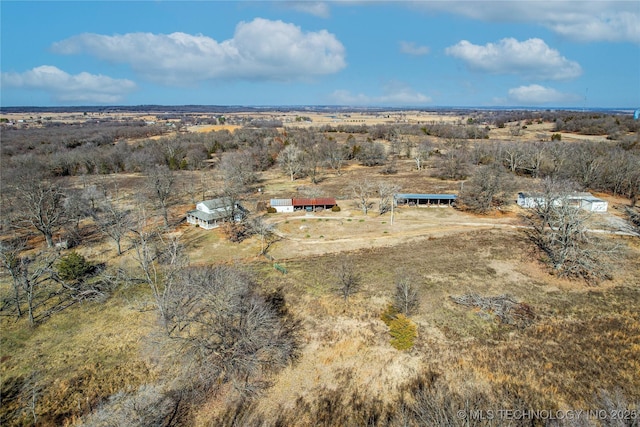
column 424, row 199
column 282, row 205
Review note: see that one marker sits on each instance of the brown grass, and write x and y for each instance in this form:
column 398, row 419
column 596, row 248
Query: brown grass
column 583, row 339
column 75, row 360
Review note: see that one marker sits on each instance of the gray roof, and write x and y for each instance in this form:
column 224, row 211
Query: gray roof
column 218, row 203
column 570, row 196
column 281, row 202
column 221, row 209
column 209, row 216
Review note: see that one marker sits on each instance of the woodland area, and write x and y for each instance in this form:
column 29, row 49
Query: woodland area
column 114, row 311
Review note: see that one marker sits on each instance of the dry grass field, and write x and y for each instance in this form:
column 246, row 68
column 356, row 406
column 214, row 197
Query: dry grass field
column 581, row 340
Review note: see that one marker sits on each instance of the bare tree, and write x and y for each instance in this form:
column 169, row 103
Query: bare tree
column 513, row 156
column 42, row 206
column 149, row 405
column 291, row 161
column 348, row 281
column 633, row 217
column 37, row 272
column 621, row 174
column 372, row 154
column 260, row 227
column 174, row 152
column 386, row 190
column 333, row 155
column 490, row 186
column 482, row 153
column 534, row 157
column 453, row 164
column 585, row 163
column 32, row 390
column 421, row 153
column 238, row 170
column 113, row 221
column 227, row 330
column 312, row 146
column 559, row 229
column 160, row 259
column 13, row 262
column 362, row 190
column 406, row 299
column 558, row 156
column 161, row 182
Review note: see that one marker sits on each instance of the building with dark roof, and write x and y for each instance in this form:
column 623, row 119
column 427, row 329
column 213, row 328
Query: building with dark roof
column 306, row 204
column 424, row 199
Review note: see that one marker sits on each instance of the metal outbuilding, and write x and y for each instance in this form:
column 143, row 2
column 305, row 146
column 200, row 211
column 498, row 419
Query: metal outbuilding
column 424, row 199
column 298, row 204
column 586, row 201
column 282, row 205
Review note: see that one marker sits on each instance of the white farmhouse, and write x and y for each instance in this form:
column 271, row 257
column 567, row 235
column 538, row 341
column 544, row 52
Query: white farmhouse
column 212, row 213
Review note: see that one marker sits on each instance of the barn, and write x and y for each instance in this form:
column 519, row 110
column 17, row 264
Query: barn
column 212, row 213
column 426, row 200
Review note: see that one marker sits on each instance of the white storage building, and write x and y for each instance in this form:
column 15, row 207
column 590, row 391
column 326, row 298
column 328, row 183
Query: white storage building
column 282, row 205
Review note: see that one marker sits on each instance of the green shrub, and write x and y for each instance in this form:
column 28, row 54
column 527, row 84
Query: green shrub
column 402, row 329
column 335, row 208
column 74, row 267
column 403, row 332
column 271, row 210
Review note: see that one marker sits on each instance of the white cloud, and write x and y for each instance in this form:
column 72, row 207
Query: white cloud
column 536, row 95
column 394, row 94
column 260, row 49
column 315, row 8
column 614, row 21
column 410, row 48
column 65, row 87
column 531, row 58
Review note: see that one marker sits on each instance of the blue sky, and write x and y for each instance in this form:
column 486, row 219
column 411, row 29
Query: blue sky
column 351, row 53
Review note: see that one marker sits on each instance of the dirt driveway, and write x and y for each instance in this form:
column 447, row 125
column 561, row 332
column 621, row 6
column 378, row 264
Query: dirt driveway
column 330, row 232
